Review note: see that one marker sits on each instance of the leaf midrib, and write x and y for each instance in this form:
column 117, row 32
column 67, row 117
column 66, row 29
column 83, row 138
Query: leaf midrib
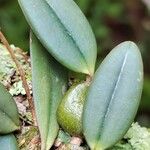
column 112, row 96
column 69, row 34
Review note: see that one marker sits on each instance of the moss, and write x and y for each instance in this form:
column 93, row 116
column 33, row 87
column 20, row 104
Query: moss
column 137, row 138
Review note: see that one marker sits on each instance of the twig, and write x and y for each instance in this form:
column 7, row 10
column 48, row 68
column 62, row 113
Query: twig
column 22, row 74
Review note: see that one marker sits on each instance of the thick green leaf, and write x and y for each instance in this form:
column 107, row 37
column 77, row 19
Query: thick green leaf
column 9, row 118
column 8, row 142
column 113, row 97
column 64, row 31
column 49, row 83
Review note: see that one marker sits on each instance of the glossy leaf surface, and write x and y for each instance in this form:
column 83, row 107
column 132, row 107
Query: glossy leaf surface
column 9, row 118
column 8, row 142
column 64, row 31
column 49, row 82
column 113, row 97
column 69, row 113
